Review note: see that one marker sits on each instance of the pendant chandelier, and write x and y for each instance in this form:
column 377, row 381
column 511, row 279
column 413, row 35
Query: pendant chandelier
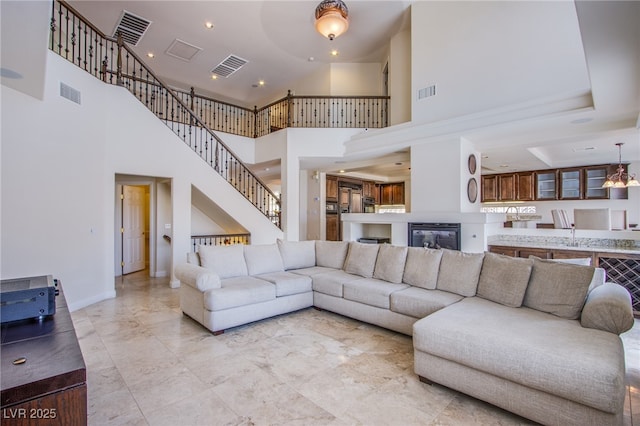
column 331, row 18
column 620, row 179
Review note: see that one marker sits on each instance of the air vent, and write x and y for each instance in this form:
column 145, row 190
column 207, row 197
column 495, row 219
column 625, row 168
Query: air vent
column 182, row 50
column 70, row 93
column 427, row 92
column 132, row 27
column 230, row 65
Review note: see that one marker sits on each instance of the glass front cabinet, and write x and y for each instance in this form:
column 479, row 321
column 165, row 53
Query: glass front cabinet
column 546, row 185
column 594, row 177
column 570, row 184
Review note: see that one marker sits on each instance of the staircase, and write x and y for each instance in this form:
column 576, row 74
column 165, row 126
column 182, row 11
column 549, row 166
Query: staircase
column 112, row 61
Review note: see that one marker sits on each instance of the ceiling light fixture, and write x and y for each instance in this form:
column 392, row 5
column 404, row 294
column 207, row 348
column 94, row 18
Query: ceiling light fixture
column 620, row 179
column 331, row 18
column 209, row 25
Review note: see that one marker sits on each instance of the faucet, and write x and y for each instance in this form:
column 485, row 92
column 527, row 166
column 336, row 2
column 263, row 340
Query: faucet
column 573, row 237
column 515, row 209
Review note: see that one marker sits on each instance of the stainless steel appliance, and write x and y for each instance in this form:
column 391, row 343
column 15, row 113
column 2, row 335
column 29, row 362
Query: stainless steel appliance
column 368, row 205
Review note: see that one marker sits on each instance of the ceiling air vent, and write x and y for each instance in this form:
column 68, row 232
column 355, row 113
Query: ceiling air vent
column 230, row 65
column 182, row 50
column 427, row 92
column 132, row 27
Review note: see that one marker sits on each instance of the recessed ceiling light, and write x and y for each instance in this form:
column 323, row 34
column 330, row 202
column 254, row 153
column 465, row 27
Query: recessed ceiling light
column 214, row 77
column 341, row 171
column 209, row 25
column 261, row 82
column 151, row 55
column 334, row 53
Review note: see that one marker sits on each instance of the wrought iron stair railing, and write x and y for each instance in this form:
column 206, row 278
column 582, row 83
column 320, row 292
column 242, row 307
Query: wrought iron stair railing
column 78, row 41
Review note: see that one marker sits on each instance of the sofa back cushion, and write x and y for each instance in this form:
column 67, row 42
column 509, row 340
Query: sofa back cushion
column 504, row 279
column 421, row 267
column 459, row 272
column 390, row 263
column 361, row 259
column 558, row 288
column 263, row 259
column 331, row 254
column 226, row 261
column 297, row 254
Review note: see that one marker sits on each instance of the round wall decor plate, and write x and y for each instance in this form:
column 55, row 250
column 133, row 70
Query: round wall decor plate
column 472, row 190
column 472, row 164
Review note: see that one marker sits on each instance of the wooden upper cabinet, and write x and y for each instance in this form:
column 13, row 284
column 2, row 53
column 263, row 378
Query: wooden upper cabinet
column 507, row 187
column 392, row 193
column 369, row 189
column 525, row 186
column 332, row 188
column 570, row 184
column 489, row 188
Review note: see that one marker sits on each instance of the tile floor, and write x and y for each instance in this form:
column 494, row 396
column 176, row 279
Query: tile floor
column 149, row 364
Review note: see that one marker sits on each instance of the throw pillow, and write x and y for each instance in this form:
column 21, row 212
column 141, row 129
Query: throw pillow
column 558, row 288
column 390, row 263
column 504, row 279
column 361, row 259
column 297, row 254
column 263, row 259
column 331, row 254
column 226, row 261
column 422, row 266
column 459, row 272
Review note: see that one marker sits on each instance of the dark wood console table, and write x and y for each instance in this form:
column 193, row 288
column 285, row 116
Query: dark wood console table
column 49, row 387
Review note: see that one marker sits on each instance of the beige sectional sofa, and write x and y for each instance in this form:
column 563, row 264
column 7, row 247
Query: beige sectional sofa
column 535, row 337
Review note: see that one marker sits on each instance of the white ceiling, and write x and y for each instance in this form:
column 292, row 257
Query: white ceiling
column 278, row 37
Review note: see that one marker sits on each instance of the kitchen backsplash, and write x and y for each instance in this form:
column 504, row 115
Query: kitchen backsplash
column 555, row 240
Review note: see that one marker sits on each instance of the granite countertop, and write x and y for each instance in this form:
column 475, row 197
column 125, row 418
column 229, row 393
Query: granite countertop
column 584, row 244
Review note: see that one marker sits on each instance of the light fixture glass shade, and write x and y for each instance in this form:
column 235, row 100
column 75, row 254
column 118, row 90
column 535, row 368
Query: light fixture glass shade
column 620, row 179
column 331, row 18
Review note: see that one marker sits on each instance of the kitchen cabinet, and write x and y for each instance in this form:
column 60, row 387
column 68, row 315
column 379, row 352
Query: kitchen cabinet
column 489, row 188
column 570, row 184
column 507, row 187
column 369, row 189
column 392, row 193
column 332, row 188
column 594, row 177
column 524, row 186
column 332, row 233
column 546, row 188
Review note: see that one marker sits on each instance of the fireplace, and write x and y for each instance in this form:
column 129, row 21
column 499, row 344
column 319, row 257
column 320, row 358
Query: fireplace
column 435, row 235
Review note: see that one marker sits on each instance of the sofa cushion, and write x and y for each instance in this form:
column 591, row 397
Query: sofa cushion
column 371, row 291
column 459, row 272
column 226, row 261
column 287, row 283
column 422, row 266
column 504, row 279
column 331, row 254
column 239, row 291
column 390, row 263
column 361, row 259
column 297, row 254
column 262, row 259
column 528, row 347
column 558, row 288
column 419, row 302
column 314, row 270
column 608, row 307
column 332, row 283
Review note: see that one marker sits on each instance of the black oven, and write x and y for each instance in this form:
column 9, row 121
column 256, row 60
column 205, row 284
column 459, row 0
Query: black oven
column 368, row 205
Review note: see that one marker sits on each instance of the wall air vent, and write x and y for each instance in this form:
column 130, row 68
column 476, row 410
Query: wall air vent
column 70, row 93
column 230, row 65
column 182, row 50
column 132, row 27
column 427, row 92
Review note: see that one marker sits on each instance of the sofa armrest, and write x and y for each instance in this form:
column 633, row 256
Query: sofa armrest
column 608, row 308
column 197, row 277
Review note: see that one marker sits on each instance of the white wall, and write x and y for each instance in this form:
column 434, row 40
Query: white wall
column 58, row 181
column 473, row 62
column 357, row 79
column 400, row 78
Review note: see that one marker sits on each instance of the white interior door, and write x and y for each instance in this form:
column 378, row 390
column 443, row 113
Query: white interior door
column 133, row 228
